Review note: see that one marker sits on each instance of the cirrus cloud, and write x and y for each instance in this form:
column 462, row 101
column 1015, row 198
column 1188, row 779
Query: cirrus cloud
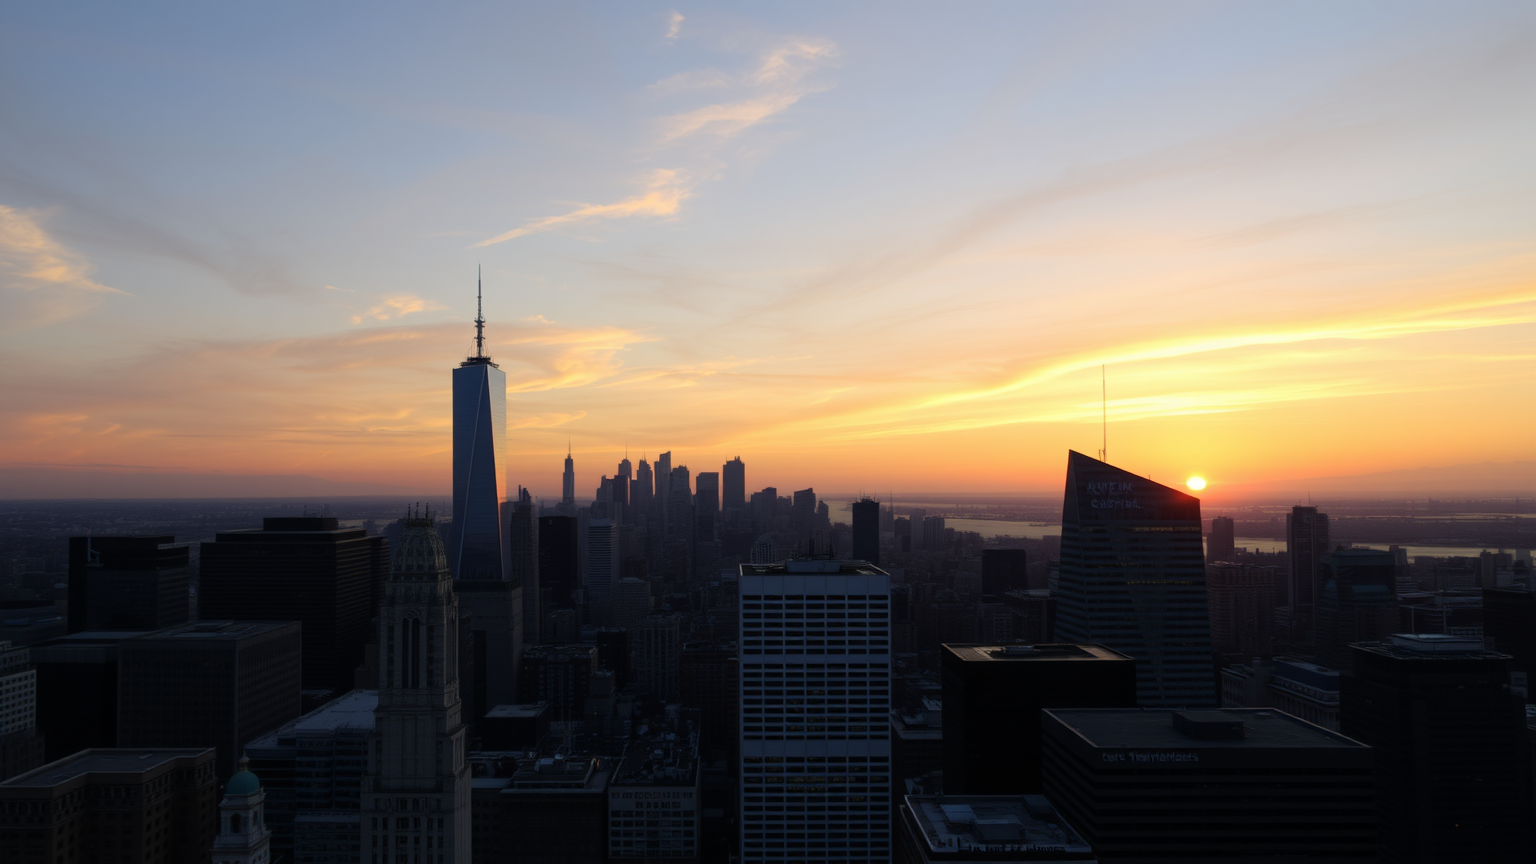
column 41, row 281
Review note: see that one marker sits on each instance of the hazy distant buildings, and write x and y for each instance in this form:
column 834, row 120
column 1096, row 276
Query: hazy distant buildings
column 603, row 563
column 208, row 684
column 1204, row 785
column 707, row 492
column 568, row 486
column 734, row 485
column 415, row 794
column 815, row 698
column 1306, row 537
column 1221, row 544
column 306, row 569
column 479, row 464
column 866, row 531
column 1004, row 570
column 143, row 806
column 1133, row 579
column 993, row 695
column 127, row 583
column 1242, row 609
column 1452, row 766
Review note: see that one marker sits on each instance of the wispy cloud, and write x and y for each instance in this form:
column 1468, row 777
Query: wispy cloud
column 397, row 306
column 779, row 81
column 674, row 24
column 40, row 280
column 664, row 192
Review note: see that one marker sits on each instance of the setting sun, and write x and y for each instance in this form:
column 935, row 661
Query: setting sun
column 1195, row 483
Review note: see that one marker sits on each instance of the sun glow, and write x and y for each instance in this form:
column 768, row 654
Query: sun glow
column 1195, row 483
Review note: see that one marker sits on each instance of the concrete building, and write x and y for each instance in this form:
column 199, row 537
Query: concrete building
column 1149, row 785
column 1242, row 609
column 552, row 810
column 993, row 695
column 21, row 748
column 998, row 829
column 654, row 800
column 815, row 701
column 208, row 684
column 138, row 806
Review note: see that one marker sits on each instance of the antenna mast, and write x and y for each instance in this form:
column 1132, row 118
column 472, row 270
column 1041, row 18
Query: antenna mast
column 1104, row 415
column 479, row 317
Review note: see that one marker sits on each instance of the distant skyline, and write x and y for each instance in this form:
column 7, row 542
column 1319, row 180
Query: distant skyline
column 861, row 246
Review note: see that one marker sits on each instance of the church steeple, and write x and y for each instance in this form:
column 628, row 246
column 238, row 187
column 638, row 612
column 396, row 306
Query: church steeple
column 244, row 837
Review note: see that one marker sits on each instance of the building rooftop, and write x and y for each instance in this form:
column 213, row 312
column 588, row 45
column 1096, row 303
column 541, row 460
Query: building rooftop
column 523, row 710
column 351, row 711
column 1154, row 729
column 1430, row 646
column 1025, row 653
column 103, row 761
column 216, row 630
column 813, row 567
column 961, row 826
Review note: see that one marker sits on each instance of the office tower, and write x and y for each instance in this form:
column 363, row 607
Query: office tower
column 127, row 583
column 491, row 642
column 915, row 527
column 145, row 806
column 663, row 470
column 629, row 603
column 602, row 564
column 1221, row 545
column 208, row 684
column 244, row 837
column 1509, row 627
column 1358, row 602
column 643, row 490
column 653, row 799
column 734, row 485
column 415, row 793
column 300, row 568
column 802, row 514
column 479, row 463
column 707, row 495
column 815, row 702
column 621, row 481
column 1242, row 608
column 1004, row 570
column 991, row 828
column 1306, row 537
column 866, row 531
column 1453, row 770
column 1156, row 785
column 313, row 769
column 523, row 544
column 552, row 810
column 679, row 504
column 558, row 674
column 568, row 485
column 654, row 648
column 77, row 691
column 1133, row 579
column 993, row 695
column 559, row 560
column 934, row 538
column 21, row 748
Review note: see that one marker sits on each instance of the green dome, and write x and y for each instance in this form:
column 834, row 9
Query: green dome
column 243, row 783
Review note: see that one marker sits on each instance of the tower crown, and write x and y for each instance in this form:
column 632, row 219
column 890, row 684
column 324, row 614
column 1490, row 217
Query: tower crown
column 420, row 554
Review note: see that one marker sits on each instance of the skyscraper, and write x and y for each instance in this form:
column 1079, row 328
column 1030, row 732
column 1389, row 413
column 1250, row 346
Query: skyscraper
column 663, row 470
column 559, row 562
column 1221, row 545
column 707, row 496
column 602, row 565
column 621, row 482
column 479, row 463
column 523, row 543
column 815, row 703
column 568, row 485
column 127, row 583
column 416, row 791
column 1306, row 537
column 1133, row 579
column 1358, row 603
column 734, row 485
column 866, row 531
column 1242, row 607
column 643, row 490
column 1004, row 570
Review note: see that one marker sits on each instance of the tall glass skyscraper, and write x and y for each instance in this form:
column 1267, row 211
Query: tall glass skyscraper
column 1133, row 579
column 479, row 464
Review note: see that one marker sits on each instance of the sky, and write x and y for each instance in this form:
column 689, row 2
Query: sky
column 880, row 247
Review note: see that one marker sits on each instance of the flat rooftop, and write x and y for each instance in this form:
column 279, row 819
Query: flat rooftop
column 1026, row 825
column 983, row 653
column 1430, row 646
column 813, row 567
column 351, row 711
column 216, row 630
column 523, row 710
column 102, row 761
column 1154, row 729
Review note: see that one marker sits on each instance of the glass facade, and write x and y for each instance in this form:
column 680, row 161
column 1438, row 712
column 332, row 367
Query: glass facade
column 479, row 470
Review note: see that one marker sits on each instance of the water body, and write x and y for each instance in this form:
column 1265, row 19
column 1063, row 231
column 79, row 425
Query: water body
column 1265, row 544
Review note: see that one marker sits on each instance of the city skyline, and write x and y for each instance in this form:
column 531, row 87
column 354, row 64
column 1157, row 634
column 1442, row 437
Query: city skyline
column 916, row 247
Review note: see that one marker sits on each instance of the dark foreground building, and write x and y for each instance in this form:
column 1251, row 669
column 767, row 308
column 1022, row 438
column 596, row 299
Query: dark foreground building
column 1133, row 579
column 1230, row 785
column 300, row 568
column 131, row 806
column 992, row 828
column 127, row 583
column 77, row 690
column 993, row 695
column 1451, row 750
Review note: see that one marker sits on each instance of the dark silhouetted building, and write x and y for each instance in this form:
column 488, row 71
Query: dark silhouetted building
column 1004, row 570
column 300, row 568
column 1509, row 627
column 1358, row 602
column 866, row 531
column 127, row 583
column 515, row 727
column 993, row 695
column 558, row 674
column 208, row 684
column 1205, row 785
column 815, row 634
column 1242, row 608
column 708, row 681
column 707, row 491
column 733, row 487
column 1452, row 769
column 1133, row 579
column 992, row 828
column 138, row 806
column 559, row 561
column 1221, row 544
column 1306, row 537
column 552, row 810
column 492, row 621
column 77, row 691
column 523, row 558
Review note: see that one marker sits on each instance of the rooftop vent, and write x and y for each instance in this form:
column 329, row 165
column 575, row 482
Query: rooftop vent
column 1208, row 725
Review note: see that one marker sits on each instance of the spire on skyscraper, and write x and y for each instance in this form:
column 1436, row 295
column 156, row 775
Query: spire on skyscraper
column 479, row 314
